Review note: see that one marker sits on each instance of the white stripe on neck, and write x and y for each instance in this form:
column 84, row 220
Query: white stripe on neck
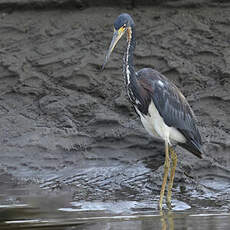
column 127, row 65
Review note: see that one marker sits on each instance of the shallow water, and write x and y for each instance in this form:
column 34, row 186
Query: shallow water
column 18, row 210
column 24, row 216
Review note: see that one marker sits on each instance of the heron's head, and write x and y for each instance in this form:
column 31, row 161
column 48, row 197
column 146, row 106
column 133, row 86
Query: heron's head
column 123, row 23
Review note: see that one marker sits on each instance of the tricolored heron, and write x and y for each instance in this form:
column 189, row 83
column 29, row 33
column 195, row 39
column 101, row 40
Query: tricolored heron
column 163, row 109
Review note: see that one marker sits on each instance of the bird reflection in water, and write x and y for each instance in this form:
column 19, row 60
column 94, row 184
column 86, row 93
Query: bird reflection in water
column 167, row 220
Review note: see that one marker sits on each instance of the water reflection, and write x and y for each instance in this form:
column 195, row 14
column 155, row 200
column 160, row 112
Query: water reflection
column 26, row 217
column 167, row 220
column 60, row 213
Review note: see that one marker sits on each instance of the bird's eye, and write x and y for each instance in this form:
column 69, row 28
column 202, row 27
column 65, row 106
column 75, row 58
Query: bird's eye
column 122, row 29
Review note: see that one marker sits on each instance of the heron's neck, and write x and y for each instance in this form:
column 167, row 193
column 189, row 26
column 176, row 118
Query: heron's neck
column 129, row 70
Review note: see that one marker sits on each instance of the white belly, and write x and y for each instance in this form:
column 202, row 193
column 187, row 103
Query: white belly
column 155, row 126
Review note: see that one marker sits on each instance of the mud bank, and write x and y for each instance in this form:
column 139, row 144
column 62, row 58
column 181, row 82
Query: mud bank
column 67, row 126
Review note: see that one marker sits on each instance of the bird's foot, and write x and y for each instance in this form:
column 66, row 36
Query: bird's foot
column 160, row 206
column 168, row 199
column 169, row 205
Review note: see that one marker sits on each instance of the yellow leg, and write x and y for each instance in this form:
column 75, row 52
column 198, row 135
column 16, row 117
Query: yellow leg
column 166, row 169
column 172, row 174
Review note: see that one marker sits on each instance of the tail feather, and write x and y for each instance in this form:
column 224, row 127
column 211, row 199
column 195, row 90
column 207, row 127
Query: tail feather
column 193, row 142
column 192, row 147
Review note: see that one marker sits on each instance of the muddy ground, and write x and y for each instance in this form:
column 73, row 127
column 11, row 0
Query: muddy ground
column 67, row 126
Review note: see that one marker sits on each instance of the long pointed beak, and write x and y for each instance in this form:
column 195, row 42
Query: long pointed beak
column 115, row 39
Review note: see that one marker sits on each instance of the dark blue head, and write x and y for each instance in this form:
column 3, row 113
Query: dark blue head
column 123, row 23
column 123, row 20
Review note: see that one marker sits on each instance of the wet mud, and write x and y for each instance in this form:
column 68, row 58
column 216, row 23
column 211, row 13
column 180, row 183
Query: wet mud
column 68, row 127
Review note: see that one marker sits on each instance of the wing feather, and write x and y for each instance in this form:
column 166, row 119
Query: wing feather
column 172, row 106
